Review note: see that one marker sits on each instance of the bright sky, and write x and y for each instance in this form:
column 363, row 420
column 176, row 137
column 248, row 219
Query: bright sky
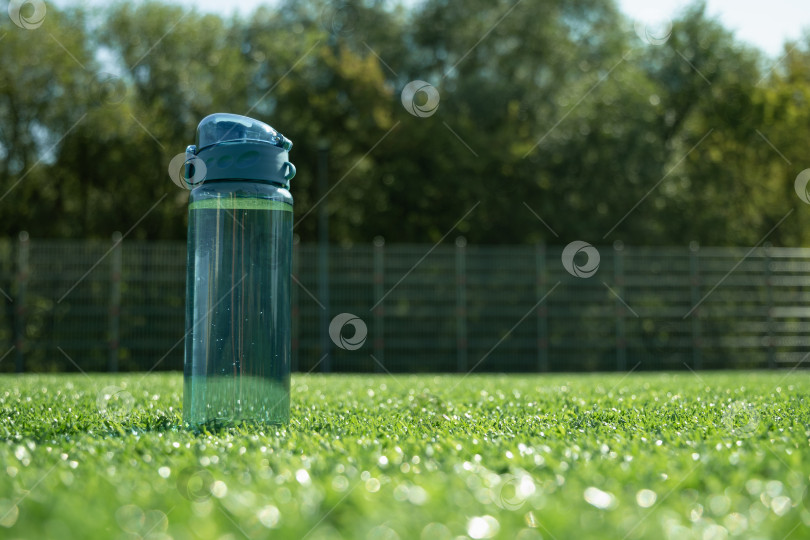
column 764, row 23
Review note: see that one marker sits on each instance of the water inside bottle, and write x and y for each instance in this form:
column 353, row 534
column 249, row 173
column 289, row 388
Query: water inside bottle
column 238, row 313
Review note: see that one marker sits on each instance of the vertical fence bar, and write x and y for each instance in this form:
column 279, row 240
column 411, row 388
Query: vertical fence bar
column 542, row 309
column 296, row 313
column 766, row 259
column 323, row 258
column 379, row 311
column 621, row 336
column 461, row 304
column 694, row 275
column 115, row 302
column 20, row 307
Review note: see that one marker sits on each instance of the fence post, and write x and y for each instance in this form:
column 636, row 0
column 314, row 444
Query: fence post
column 694, row 274
column 295, row 324
column 542, row 309
column 379, row 311
column 323, row 258
column 461, row 304
column 769, row 299
column 115, row 302
column 621, row 337
column 20, row 308
column 323, row 294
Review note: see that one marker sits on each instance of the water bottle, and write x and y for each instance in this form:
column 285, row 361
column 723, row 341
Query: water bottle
column 237, row 345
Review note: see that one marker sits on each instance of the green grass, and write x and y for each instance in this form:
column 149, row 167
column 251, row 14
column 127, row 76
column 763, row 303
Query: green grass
column 722, row 455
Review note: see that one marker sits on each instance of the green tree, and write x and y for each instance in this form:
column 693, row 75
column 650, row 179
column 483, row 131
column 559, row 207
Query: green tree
column 45, row 73
column 555, row 106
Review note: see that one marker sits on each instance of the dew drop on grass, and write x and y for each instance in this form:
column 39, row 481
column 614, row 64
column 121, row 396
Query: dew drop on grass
column 417, row 495
column 483, row 527
column 9, row 512
column 719, row 505
column 646, row 498
column 753, row 486
column 340, row 483
column 219, row 489
column 372, row 485
column 269, row 516
column 23, row 455
column 736, row 523
column 715, row 532
column 696, row 513
column 598, row 498
column 773, row 488
column 302, row 476
column 780, row 505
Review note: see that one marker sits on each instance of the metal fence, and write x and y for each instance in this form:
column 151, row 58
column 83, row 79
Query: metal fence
column 101, row 306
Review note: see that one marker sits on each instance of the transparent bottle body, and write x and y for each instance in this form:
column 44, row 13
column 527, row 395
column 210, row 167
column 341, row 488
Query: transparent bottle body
column 237, row 347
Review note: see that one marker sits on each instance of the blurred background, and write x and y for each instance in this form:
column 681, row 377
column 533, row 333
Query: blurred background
column 671, row 142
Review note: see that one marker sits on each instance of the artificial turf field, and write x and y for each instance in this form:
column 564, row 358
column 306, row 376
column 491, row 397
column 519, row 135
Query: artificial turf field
column 706, row 456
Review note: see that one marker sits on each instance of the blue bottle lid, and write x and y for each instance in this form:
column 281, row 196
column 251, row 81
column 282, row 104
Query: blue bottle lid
column 234, row 147
column 226, row 127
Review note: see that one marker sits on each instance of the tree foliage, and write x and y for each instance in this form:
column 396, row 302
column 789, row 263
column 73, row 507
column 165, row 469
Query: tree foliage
column 555, row 109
